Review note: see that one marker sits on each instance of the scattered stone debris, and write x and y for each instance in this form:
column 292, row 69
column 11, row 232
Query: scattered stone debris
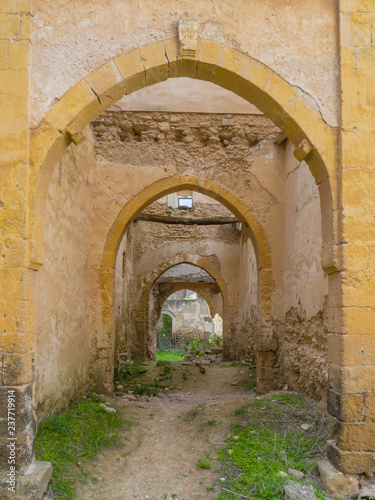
column 209, row 358
column 367, row 492
column 129, row 397
column 108, row 409
column 296, row 474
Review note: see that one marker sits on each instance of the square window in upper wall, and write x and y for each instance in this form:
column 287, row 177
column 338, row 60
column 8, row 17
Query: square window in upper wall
column 185, row 202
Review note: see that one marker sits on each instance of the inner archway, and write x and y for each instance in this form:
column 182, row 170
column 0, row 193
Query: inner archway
column 191, row 297
column 185, row 323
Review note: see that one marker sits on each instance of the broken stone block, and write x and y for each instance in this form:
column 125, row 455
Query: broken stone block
column 336, row 483
column 32, row 484
column 296, row 474
column 108, row 409
column 298, row 491
column 367, row 492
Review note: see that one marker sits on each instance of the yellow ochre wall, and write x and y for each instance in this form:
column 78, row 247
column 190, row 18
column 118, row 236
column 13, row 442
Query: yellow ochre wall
column 285, row 59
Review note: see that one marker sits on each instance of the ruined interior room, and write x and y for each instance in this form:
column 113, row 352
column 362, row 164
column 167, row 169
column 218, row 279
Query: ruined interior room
column 189, row 165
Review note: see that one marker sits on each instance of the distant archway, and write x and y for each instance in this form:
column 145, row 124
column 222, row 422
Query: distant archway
column 150, row 280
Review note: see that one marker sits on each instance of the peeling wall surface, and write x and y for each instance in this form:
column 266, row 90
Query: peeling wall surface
column 66, row 37
column 63, row 315
column 302, row 326
column 248, row 298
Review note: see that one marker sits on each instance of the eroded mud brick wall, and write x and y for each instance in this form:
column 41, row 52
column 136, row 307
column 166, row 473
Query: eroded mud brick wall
column 190, row 317
column 285, row 197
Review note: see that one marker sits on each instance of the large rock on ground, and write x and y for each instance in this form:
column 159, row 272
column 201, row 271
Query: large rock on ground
column 298, row 491
column 336, row 483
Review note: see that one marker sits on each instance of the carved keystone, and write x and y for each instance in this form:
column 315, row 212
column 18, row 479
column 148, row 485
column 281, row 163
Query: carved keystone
column 304, row 150
column 188, row 30
column 75, row 134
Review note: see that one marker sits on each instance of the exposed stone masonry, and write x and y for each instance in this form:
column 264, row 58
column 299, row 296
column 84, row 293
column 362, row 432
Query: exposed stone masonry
column 235, row 133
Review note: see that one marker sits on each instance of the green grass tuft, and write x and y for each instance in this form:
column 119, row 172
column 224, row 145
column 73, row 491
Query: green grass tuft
column 170, row 355
column 203, row 464
column 267, row 439
column 72, row 437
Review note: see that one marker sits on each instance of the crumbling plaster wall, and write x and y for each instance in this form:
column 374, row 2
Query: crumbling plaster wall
column 248, row 305
column 192, row 318
column 63, row 313
column 301, row 324
column 124, row 299
column 66, row 37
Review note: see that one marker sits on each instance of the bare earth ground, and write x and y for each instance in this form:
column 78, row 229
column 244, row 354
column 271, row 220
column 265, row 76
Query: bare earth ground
column 161, row 447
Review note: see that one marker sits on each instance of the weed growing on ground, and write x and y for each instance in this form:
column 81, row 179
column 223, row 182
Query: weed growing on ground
column 203, row 464
column 72, row 437
column 191, row 414
column 167, row 370
column 170, row 355
column 268, row 439
column 129, row 376
column 241, row 410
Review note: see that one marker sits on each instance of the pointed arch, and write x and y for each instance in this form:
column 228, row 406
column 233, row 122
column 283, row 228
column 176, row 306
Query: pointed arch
column 287, row 106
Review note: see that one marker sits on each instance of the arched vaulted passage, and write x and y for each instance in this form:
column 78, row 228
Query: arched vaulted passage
column 159, row 294
column 287, row 106
column 150, row 280
column 290, row 110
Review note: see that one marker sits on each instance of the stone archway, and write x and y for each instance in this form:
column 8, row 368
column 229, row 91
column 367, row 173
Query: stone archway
column 315, row 141
column 210, row 292
column 104, row 323
column 149, row 281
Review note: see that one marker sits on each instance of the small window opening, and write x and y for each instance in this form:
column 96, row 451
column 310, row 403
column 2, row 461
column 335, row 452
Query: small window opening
column 185, row 202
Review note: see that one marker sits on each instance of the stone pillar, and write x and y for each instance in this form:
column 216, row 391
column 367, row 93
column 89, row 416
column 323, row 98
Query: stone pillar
column 351, row 395
column 17, row 306
column 266, row 341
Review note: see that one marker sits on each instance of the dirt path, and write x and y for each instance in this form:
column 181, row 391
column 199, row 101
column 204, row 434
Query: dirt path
column 166, row 437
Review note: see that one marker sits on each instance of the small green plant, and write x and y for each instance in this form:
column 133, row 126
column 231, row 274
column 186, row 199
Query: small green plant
column 191, row 414
column 319, row 495
column 167, row 370
column 194, row 345
column 240, row 411
column 268, row 439
column 211, row 423
column 214, row 339
column 170, row 355
column 132, row 376
column 203, row 464
column 251, row 384
column 72, row 437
